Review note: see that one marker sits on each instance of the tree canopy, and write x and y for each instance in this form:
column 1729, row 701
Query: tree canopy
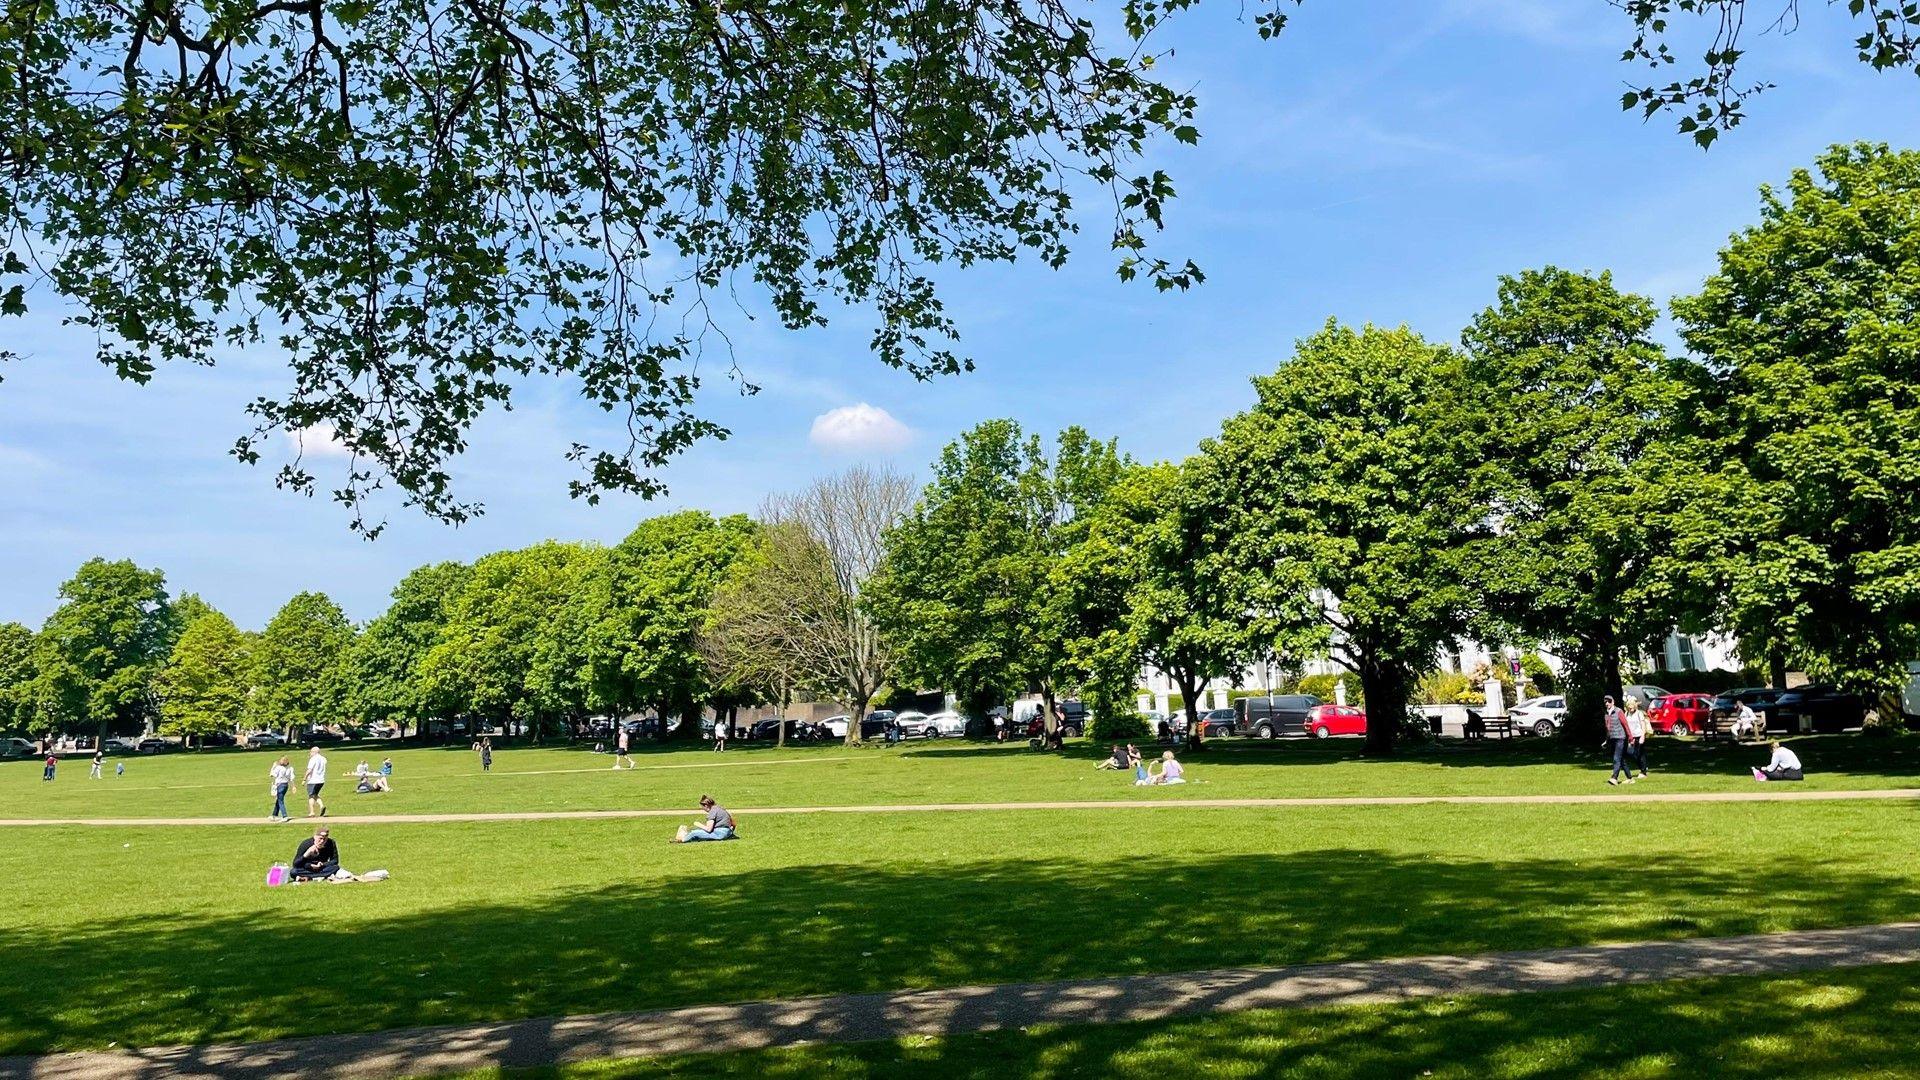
column 96, row 655
column 205, row 684
column 299, row 670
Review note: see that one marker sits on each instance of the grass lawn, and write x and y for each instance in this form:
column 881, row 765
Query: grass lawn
column 148, row 935
column 1855, row 1024
column 234, row 783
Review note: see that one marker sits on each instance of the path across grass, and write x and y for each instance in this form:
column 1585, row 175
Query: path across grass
column 966, row 1010
column 154, row 936
column 1777, row 793
column 435, row 781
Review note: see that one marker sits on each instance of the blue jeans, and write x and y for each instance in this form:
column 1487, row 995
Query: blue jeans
column 279, row 801
column 1619, row 758
column 721, row 833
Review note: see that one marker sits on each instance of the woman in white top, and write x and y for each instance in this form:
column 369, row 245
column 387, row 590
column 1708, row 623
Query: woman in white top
column 1637, row 728
column 282, row 779
column 1784, row 766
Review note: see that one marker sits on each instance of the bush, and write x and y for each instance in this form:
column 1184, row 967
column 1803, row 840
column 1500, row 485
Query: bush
column 1119, row 727
column 1448, row 688
column 1540, row 677
column 1711, row 681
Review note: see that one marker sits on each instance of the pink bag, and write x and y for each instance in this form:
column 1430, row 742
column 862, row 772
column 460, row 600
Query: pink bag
column 277, row 875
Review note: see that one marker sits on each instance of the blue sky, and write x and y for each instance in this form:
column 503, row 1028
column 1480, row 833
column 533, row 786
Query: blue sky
column 1383, row 162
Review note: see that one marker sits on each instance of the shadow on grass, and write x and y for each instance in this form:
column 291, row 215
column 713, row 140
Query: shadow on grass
column 841, row 928
column 1836, row 1024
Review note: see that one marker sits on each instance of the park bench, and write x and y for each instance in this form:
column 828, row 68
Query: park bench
column 1479, row 727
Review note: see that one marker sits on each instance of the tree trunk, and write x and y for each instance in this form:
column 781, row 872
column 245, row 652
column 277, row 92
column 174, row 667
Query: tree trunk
column 1593, row 673
column 1777, row 670
column 1190, row 703
column 853, row 722
column 1385, row 688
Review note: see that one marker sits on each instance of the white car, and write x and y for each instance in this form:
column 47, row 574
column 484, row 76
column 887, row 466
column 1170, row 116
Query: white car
column 1539, row 716
column 946, row 725
column 837, row 725
column 913, row 724
column 266, row 738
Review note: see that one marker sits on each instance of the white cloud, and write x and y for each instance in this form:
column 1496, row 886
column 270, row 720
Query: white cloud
column 859, row 428
column 318, row 440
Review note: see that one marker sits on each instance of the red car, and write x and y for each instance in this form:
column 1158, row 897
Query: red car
column 1325, row 720
column 1681, row 714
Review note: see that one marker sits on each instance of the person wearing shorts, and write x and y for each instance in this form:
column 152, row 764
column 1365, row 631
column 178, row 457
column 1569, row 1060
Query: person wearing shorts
column 316, row 779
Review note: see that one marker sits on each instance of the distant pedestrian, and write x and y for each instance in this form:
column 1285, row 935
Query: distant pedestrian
column 119, row 768
column 279, row 779
column 1618, row 739
column 1638, row 727
column 486, row 755
column 386, row 772
column 46, row 773
column 1785, row 765
column 720, row 733
column 316, row 779
column 99, row 759
column 620, row 754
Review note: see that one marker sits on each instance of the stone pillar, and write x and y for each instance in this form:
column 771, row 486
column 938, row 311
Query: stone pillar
column 1340, row 691
column 1160, row 702
column 1496, row 698
column 1142, row 702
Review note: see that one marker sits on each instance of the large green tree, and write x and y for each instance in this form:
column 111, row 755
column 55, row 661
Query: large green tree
column 1803, row 527
column 299, row 665
column 1569, row 392
column 1340, row 502
column 206, row 681
column 645, row 646
column 16, row 678
column 386, row 683
column 96, row 655
column 968, row 591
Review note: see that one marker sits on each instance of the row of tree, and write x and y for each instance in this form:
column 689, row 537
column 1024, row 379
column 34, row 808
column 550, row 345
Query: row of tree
column 1555, row 478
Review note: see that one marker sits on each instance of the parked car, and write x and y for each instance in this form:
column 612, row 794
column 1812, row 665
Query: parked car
column 322, row 735
column 837, row 725
column 1073, row 720
column 913, row 724
column 1540, row 716
column 946, row 725
column 1760, row 698
column 215, row 738
column 1681, row 714
column 266, row 738
column 1647, row 695
column 18, row 748
column 126, row 744
column 1818, row 707
column 1271, row 717
column 1329, row 719
column 153, row 744
column 1217, row 722
column 769, row 729
column 876, row 726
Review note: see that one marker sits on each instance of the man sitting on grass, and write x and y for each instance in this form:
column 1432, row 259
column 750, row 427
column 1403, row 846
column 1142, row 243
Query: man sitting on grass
column 1118, row 759
column 317, row 858
column 717, row 826
column 1784, row 766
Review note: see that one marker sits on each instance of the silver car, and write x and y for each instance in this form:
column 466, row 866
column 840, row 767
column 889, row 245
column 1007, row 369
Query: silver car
column 913, row 725
column 946, row 725
column 1540, row 716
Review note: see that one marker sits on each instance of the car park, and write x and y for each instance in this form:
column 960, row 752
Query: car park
column 1681, row 714
column 913, row 724
column 1274, row 715
column 1327, row 719
column 1818, row 707
column 1540, row 716
column 946, row 725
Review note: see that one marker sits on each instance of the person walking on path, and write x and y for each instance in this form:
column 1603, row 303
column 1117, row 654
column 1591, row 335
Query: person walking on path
column 1637, row 729
column 1784, row 766
column 46, row 773
column 620, row 751
column 486, row 755
column 1618, row 738
column 279, row 779
column 316, row 779
column 99, row 759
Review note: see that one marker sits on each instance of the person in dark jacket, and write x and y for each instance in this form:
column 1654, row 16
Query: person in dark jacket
column 317, row 857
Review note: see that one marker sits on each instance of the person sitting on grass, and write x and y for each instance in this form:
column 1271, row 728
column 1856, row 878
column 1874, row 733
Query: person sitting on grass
column 317, row 858
column 1166, row 771
column 1116, row 760
column 718, row 824
column 1784, row 766
column 370, row 783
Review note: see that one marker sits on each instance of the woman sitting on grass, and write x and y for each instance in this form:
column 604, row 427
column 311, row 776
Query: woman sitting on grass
column 717, row 826
column 1168, row 771
column 1784, row 766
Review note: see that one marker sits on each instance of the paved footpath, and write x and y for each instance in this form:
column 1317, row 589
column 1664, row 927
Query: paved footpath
column 1764, row 795
column 862, row 1017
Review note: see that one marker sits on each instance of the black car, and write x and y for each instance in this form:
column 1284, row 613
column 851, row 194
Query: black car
column 1271, row 717
column 1761, row 699
column 797, row 731
column 876, row 725
column 1817, row 707
column 1073, row 720
column 322, row 735
column 153, row 745
column 1217, row 722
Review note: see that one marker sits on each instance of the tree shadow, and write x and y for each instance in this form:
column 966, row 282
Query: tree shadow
column 790, row 931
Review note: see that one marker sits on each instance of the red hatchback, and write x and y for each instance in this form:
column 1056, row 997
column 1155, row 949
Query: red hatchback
column 1681, row 714
column 1325, row 720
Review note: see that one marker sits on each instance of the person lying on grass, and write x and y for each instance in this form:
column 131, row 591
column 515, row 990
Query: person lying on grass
column 317, row 858
column 1784, row 766
column 371, row 783
column 718, row 824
